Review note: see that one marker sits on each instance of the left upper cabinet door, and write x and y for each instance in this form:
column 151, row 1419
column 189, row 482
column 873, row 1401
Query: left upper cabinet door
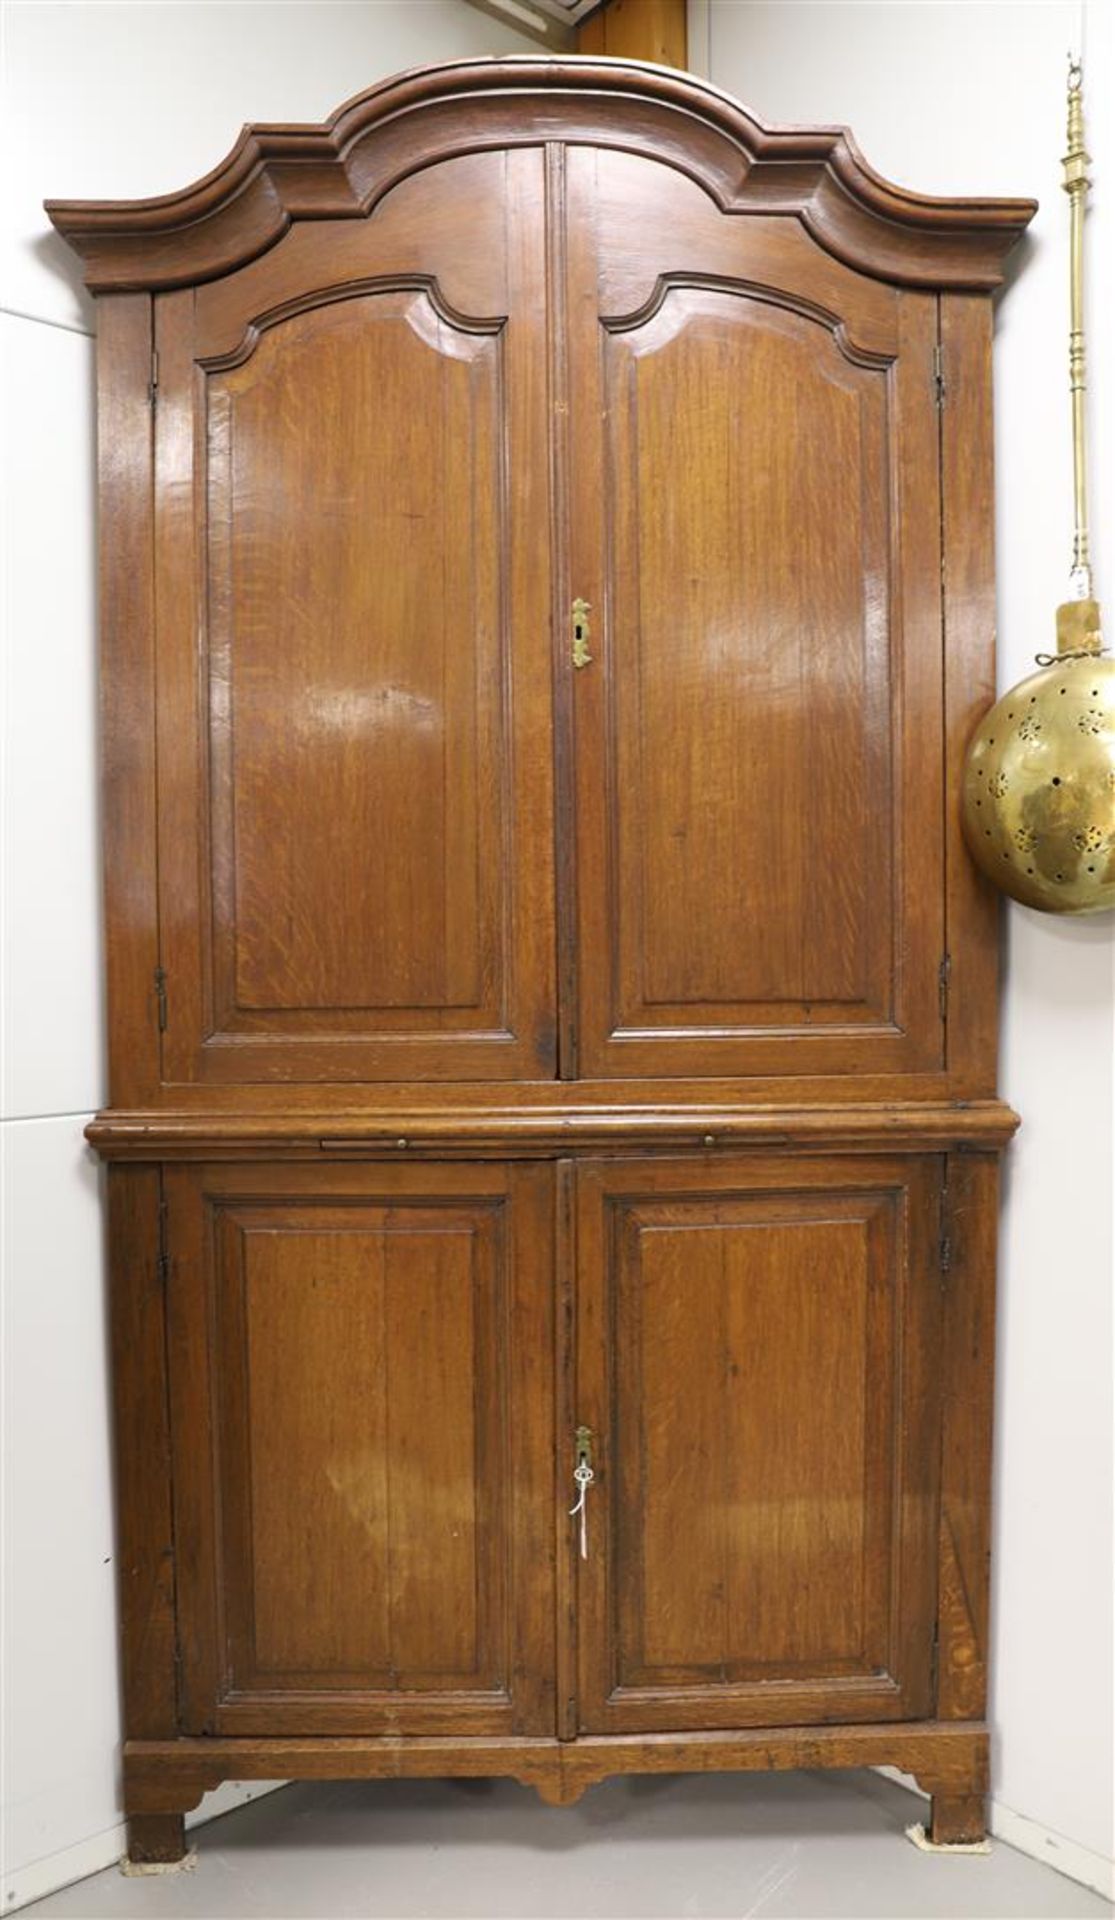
column 353, row 600
column 361, row 1397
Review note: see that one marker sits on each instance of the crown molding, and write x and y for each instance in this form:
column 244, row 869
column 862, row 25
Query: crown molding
column 276, row 175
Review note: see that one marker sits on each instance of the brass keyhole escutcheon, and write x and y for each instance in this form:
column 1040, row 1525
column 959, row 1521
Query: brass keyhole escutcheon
column 581, row 654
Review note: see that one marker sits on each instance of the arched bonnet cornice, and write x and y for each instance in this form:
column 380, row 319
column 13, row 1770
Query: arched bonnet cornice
column 276, row 175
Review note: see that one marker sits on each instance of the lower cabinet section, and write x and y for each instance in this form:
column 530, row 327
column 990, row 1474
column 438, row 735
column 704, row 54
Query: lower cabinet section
column 380, row 1379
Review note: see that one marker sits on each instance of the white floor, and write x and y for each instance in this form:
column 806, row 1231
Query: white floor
column 809, row 1845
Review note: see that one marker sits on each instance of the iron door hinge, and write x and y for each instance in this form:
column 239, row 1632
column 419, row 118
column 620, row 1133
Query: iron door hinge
column 162, row 1263
column 939, row 388
column 944, row 975
column 944, row 1242
column 160, row 997
column 179, row 1703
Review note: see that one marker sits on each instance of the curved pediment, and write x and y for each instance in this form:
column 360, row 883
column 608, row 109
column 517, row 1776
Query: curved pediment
column 276, row 175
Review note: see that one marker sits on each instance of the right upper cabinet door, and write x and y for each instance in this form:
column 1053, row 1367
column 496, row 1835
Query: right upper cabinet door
column 758, row 735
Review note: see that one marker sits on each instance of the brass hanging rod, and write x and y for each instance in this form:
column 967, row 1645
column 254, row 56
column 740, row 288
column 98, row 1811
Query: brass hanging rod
column 1077, row 184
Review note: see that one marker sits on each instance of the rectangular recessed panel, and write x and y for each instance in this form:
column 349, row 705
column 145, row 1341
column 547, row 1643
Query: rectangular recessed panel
column 363, row 1385
column 805, row 1465
column 434, row 1471
column 356, row 665
column 317, row 1437
column 750, row 694
column 749, row 1425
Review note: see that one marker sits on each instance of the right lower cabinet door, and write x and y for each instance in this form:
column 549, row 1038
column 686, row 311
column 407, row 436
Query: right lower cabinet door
column 758, row 1349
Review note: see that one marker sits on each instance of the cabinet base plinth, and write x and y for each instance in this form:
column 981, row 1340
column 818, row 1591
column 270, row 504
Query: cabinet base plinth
column 958, row 1819
column 156, row 1839
column 165, row 1778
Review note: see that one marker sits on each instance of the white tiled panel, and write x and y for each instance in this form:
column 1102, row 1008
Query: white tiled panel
column 61, row 1711
column 52, row 1020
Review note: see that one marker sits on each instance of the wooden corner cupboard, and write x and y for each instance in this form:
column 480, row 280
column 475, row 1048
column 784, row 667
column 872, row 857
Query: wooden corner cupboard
column 546, row 541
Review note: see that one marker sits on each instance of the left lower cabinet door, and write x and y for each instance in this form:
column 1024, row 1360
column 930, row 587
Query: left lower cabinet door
column 361, row 1366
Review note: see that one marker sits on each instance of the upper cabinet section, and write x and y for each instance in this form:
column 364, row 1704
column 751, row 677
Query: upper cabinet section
column 505, row 339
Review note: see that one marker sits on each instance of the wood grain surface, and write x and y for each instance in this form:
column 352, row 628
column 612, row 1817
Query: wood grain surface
column 364, row 1543
column 507, row 1038
column 757, row 1355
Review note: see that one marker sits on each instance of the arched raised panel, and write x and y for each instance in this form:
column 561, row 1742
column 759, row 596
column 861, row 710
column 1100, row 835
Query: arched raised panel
column 346, row 718
column 748, row 667
column 403, row 237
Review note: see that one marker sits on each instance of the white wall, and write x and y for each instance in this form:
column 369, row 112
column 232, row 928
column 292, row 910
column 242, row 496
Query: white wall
column 969, row 99
column 101, row 100
column 128, row 100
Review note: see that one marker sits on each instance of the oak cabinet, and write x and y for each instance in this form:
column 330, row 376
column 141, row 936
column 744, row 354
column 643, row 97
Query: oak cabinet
column 547, row 589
